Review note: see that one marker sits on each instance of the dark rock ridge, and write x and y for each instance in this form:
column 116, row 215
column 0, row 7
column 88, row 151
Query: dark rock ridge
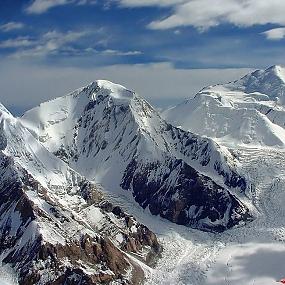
column 184, row 177
column 191, row 199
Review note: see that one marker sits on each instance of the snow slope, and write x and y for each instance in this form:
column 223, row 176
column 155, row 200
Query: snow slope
column 105, row 130
column 249, row 111
column 7, row 275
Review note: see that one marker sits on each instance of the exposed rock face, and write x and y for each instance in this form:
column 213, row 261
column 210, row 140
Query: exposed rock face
column 95, row 251
column 118, row 139
column 193, row 199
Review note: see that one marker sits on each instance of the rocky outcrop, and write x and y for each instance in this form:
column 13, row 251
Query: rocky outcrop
column 49, row 244
column 137, row 237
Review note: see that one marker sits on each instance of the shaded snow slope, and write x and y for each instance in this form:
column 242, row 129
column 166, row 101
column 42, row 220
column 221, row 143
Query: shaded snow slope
column 111, row 135
column 249, row 111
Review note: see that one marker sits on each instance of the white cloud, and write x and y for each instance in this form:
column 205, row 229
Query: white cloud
column 49, row 43
column 203, row 14
column 17, row 42
column 55, row 42
column 145, row 3
column 62, row 38
column 42, row 6
column 87, row 2
column 155, row 82
column 275, row 34
column 121, row 53
column 11, row 26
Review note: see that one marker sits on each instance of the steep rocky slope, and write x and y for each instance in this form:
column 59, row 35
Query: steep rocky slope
column 56, row 227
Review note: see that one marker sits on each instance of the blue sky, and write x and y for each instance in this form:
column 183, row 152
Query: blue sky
column 84, row 39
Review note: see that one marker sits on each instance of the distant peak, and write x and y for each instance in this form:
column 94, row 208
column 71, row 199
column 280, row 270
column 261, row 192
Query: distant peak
column 274, row 68
column 271, row 73
column 277, row 70
column 270, row 82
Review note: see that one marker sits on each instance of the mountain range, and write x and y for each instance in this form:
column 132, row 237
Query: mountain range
column 60, row 161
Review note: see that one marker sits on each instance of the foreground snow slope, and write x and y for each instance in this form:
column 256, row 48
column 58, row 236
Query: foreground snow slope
column 111, row 135
column 249, row 111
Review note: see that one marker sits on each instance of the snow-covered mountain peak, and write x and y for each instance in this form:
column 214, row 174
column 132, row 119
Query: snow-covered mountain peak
column 3, row 109
column 4, row 112
column 248, row 111
column 276, row 70
column 99, row 89
column 272, row 72
column 115, row 90
column 5, row 116
column 110, row 135
column 270, row 82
